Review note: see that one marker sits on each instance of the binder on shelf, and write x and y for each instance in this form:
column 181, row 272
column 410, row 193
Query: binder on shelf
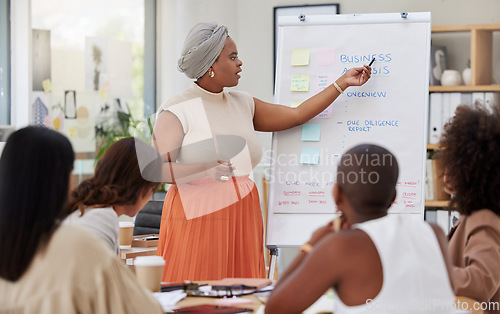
column 478, row 97
column 429, row 185
column 430, row 215
column 435, row 117
column 443, row 220
column 466, row 99
column 491, row 99
column 446, row 109
column 455, row 101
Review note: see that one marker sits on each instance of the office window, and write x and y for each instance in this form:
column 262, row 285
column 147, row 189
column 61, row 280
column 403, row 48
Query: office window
column 88, row 68
column 4, row 62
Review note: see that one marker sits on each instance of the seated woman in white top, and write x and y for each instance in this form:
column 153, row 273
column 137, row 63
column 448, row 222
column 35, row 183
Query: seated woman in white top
column 377, row 263
column 46, row 267
column 117, row 188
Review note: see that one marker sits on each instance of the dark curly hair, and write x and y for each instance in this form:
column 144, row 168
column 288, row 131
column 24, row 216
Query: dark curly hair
column 117, row 179
column 471, row 158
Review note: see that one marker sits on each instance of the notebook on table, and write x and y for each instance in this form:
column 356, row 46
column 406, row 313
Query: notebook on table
column 210, row 308
column 244, row 283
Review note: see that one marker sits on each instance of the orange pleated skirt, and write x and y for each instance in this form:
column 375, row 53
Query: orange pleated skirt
column 212, row 230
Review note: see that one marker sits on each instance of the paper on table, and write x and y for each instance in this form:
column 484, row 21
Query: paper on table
column 169, row 299
column 254, row 283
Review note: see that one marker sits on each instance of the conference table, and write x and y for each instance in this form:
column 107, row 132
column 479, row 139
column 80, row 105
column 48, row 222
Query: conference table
column 256, row 302
column 130, row 252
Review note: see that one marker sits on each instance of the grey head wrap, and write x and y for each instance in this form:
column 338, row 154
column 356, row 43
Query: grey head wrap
column 202, row 47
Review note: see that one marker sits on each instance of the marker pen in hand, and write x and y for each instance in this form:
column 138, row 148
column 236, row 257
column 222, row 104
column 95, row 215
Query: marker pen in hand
column 371, row 62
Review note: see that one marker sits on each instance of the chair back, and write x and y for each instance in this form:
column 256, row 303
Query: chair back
column 148, row 219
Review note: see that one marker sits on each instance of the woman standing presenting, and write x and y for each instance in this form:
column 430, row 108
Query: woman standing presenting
column 211, row 224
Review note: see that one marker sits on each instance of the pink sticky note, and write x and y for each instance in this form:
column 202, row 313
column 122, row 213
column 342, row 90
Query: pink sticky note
column 322, row 81
column 325, row 114
column 325, row 56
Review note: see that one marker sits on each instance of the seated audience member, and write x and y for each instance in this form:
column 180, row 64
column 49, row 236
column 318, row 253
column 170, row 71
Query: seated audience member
column 46, row 267
column 376, row 263
column 471, row 159
column 116, row 188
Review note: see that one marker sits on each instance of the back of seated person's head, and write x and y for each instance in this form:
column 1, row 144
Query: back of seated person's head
column 471, row 158
column 35, row 170
column 117, row 178
column 367, row 176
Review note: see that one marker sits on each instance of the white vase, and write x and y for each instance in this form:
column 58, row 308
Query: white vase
column 451, row 77
column 466, row 76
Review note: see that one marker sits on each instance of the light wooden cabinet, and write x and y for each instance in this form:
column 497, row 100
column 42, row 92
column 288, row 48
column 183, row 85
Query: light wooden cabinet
column 481, row 64
column 481, row 57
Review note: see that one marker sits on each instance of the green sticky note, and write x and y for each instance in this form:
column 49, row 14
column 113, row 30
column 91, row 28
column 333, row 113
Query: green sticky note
column 310, row 155
column 295, row 104
column 300, row 57
column 300, row 83
column 311, row 132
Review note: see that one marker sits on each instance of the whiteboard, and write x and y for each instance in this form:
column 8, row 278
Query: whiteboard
column 390, row 110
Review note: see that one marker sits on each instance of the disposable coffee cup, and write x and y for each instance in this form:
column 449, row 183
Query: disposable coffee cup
column 126, row 233
column 148, row 270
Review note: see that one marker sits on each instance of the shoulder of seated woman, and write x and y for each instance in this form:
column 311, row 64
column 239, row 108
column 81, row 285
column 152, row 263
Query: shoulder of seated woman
column 351, row 240
column 483, row 218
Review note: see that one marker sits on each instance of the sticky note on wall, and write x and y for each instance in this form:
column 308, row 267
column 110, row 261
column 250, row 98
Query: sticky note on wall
column 300, row 57
column 310, row 155
column 311, row 132
column 300, row 83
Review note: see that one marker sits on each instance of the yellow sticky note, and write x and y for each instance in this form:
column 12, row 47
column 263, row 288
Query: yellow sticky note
column 300, row 57
column 295, row 104
column 72, row 132
column 47, row 85
column 102, row 93
column 300, row 83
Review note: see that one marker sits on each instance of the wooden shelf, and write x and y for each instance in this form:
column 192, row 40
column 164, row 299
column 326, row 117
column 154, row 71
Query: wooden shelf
column 481, row 56
column 464, row 28
column 437, row 203
column 465, row 88
column 433, row 147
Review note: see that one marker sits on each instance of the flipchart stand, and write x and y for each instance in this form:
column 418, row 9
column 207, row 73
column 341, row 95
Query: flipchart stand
column 273, row 252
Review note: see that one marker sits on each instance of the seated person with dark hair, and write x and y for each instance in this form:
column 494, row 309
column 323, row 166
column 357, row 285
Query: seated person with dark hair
column 377, row 263
column 117, row 188
column 46, row 267
column 471, row 159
